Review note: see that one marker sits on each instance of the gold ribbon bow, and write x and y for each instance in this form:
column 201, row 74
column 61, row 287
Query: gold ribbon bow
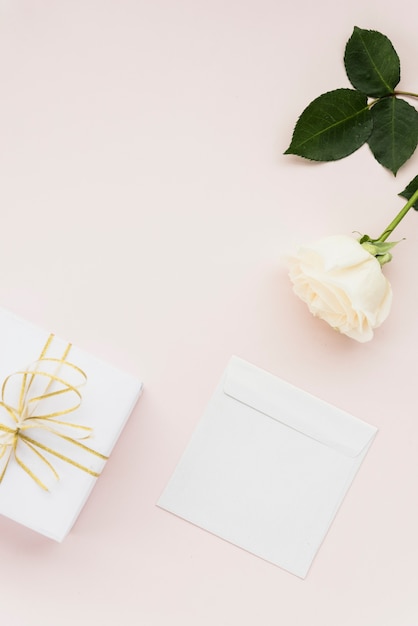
column 35, row 402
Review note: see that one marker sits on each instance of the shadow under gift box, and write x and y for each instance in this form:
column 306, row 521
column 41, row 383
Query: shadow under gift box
column 107, row 400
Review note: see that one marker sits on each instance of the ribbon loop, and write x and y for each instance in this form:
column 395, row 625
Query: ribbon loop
column 34, row 408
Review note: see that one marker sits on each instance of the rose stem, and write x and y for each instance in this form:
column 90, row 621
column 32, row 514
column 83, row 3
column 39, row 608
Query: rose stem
column 405, row 93
column 386, row 233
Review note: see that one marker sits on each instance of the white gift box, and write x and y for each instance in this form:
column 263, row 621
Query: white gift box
column 267, row 467
column 107, row 399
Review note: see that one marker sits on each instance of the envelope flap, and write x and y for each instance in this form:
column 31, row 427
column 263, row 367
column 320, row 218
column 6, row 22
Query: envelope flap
column 297, row 409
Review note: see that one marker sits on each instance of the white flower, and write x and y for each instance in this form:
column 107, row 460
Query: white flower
column 343, row 284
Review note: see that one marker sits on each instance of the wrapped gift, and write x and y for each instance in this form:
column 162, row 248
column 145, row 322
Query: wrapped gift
column 61, row 413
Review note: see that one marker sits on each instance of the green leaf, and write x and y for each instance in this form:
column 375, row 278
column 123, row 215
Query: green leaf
column 409, row 191
column 371, row 63
column 395, row 132
column 332, row 126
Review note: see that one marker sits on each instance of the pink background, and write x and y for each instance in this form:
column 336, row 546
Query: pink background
column 146, row 212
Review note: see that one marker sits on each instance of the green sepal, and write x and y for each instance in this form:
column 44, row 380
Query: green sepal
column 379, row 249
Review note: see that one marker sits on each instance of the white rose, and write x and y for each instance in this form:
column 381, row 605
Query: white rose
column 343, row 284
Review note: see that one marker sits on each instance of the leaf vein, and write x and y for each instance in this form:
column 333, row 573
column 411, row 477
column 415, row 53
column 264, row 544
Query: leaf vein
column 385, row 83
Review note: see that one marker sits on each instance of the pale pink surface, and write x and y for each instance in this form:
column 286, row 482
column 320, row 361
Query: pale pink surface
column 147, row 211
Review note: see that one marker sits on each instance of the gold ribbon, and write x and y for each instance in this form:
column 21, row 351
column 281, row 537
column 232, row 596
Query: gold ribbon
column 35, row 402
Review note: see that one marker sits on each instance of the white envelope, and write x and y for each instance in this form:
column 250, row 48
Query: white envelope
column 267, row 467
